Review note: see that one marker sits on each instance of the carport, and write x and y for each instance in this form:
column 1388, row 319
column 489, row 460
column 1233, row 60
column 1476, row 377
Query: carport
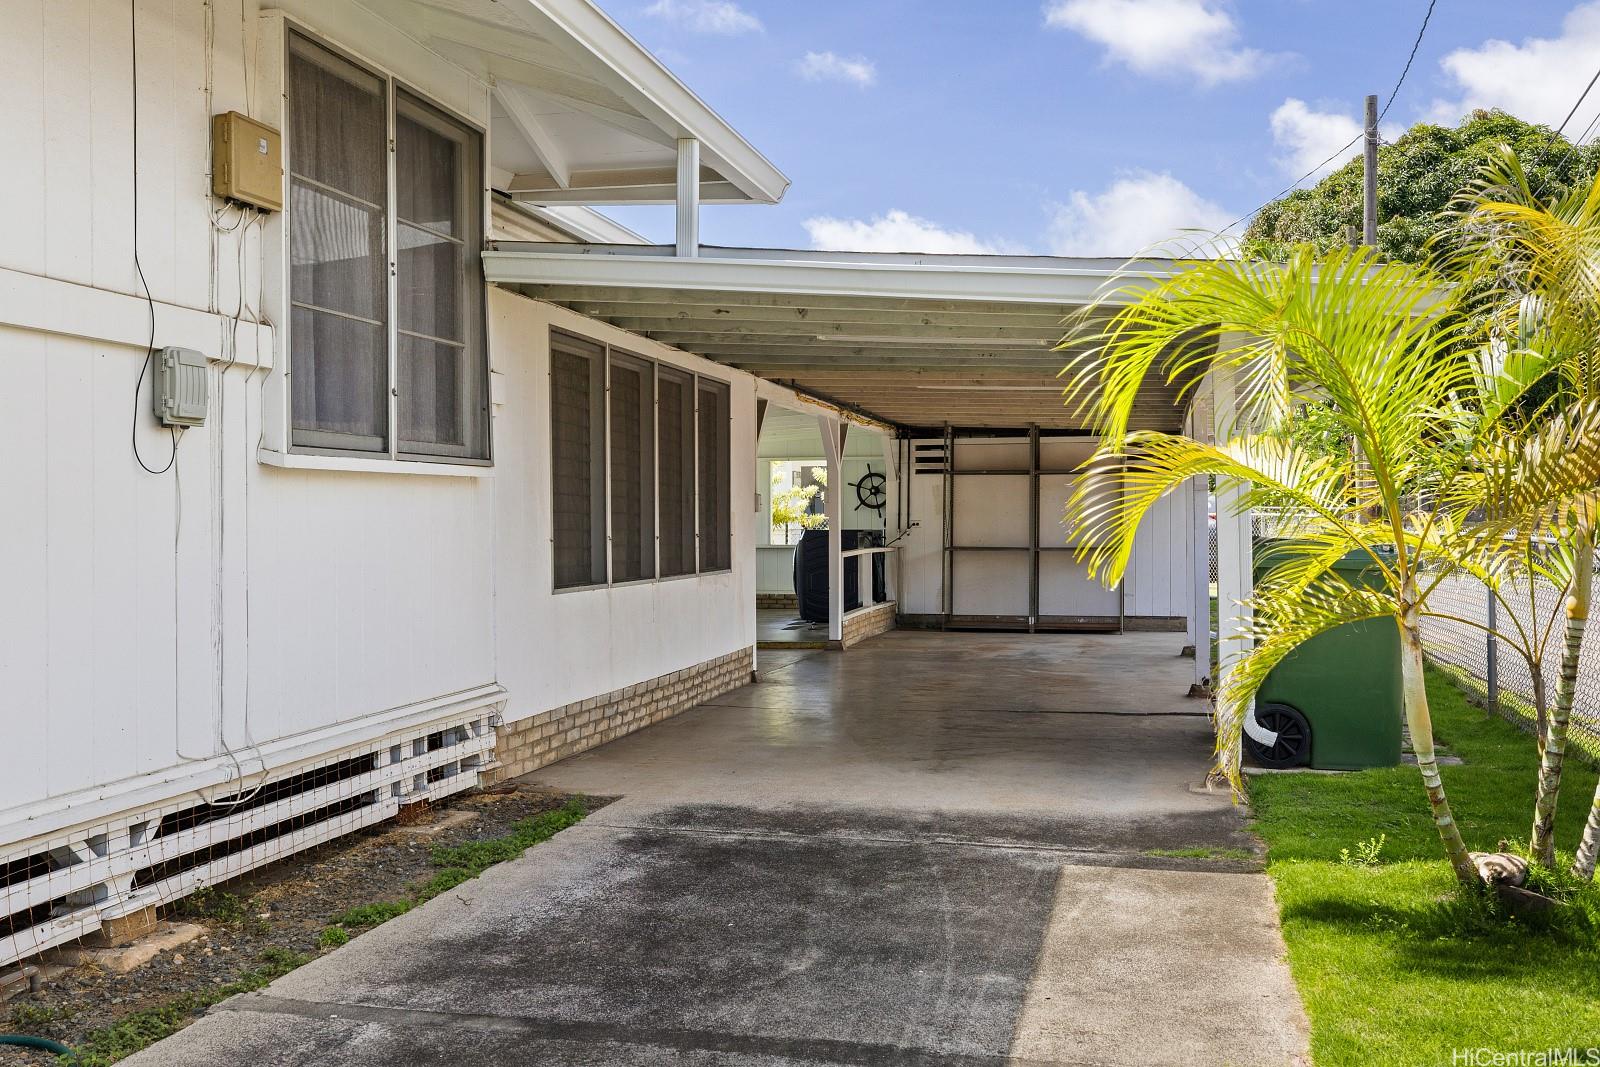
column 951, row 359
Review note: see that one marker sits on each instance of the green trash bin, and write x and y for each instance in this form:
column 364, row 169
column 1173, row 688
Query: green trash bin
column 1335, row 702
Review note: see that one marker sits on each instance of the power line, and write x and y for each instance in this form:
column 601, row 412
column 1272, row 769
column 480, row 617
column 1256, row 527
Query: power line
column 1572, row 147
column 1578, row 103
column 1415, row 45
column 1412, row 58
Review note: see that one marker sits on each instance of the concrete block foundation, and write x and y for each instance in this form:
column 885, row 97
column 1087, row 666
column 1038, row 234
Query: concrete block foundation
column 528, row 744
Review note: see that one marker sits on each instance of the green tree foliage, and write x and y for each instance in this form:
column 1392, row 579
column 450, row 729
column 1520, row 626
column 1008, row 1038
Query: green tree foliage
column 1418, row 178
column 792, row 507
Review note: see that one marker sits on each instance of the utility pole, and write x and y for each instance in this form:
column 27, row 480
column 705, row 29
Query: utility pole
column 1369, row 207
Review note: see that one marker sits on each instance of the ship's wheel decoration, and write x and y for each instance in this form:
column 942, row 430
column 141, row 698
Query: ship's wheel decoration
column 871, row 493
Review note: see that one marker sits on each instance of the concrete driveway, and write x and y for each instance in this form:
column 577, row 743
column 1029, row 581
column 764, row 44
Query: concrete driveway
column 932, row 849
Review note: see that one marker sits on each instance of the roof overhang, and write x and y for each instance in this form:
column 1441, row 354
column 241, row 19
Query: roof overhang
column 581, row 112
column 917, row 341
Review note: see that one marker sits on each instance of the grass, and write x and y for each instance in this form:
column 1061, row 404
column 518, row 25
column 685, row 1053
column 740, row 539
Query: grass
column 1394, row 966
column 1203, row 852
column 456, row 864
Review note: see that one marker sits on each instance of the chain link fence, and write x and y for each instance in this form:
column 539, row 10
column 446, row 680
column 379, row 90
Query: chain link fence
column 1495, row 670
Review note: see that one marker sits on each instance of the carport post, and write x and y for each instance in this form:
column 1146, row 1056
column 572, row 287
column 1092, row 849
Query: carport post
column 833, row 502
column 688, row 188
column 1197, row 423
column 1235, row 547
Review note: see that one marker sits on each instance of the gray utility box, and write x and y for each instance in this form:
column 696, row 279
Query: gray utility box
column 179, row 389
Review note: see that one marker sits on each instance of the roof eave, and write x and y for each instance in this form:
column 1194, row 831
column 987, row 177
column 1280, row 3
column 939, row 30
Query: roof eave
column 1055, row 286
column 665, row 99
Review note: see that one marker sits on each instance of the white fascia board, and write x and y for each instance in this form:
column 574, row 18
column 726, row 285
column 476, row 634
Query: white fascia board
column 584, row 223
column 661, row 97
column 924, row 281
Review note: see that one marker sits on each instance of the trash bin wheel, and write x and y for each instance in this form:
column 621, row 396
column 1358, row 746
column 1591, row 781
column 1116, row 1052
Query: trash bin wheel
column 1293, row 746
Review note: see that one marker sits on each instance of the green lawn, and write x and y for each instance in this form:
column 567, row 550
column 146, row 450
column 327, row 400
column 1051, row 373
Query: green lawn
column 1393, row 969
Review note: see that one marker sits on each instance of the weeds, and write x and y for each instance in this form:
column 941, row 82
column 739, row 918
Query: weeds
column 1367, row 853
column 462, row 863
column 219, row 905
column 33, row 1018
column 455, row 864
column 140, row 1029
column 332, row 937
column 371, row 914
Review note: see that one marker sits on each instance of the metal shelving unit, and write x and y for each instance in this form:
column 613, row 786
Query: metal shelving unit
column 1033, row 621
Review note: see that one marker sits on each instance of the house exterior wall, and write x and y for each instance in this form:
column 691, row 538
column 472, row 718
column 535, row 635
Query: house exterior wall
column 162, row 636
column 560, row 647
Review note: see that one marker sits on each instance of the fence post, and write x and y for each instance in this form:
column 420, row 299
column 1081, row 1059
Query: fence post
column 1492, row 667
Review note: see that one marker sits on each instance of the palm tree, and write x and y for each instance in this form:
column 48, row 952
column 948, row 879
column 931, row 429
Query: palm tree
column 1379, row 347
column 1541, row 259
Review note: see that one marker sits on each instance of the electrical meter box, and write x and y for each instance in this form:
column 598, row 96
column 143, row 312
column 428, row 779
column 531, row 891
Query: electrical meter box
column 246, row 161
column 179, row 389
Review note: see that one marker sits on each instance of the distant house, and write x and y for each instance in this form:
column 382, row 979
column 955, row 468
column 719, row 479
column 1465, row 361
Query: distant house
column 462, row 477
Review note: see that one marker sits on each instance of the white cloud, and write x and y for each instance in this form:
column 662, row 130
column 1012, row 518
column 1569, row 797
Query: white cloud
column 706, row 16
column 1169, row 38
column 1308, row 137
column 1135, row 212
column 895, row 231
column 829, row 66
column 1537, row 80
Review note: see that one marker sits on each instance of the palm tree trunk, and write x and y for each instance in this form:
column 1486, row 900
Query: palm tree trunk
column 1419, row 721
column 1542, row 842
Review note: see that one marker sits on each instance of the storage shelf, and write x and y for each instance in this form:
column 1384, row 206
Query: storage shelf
column 1012, row 548
column 1014, row 474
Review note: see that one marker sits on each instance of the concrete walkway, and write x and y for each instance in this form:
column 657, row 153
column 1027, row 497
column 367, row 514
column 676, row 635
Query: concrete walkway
column 933, row 849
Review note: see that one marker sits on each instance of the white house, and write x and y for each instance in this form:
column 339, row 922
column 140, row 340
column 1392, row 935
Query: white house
column 471, row 482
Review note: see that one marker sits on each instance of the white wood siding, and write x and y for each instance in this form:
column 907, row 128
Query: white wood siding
column 150, row 625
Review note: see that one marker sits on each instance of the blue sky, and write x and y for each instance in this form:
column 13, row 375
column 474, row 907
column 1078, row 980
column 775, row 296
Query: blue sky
column 1077, row 127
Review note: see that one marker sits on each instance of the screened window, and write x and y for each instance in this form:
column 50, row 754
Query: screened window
column 716, row 528
column 633, row 468
column 577, row 458
column 386, row 333
column 640, row 467
column 675, row 408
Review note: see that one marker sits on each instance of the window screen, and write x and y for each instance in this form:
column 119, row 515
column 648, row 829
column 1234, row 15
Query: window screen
column 716, row 532
column 633, row 469
column 443, row 407
column 676, row 426
column 363, row 343
column 338, row 286
column 578, row 457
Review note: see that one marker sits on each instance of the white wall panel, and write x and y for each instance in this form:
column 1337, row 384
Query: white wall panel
column 22, row 117
column 991, row 583
column 556, row 647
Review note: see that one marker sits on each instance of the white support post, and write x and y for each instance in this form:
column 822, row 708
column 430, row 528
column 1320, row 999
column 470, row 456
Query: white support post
column 1198, row 425
column 833, row 500
column 891, row 506
column 1235, row 550
column 688, row 197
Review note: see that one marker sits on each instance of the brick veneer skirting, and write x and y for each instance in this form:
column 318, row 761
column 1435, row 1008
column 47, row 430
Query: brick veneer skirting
column 776, row 600
column 531, row 743
column 868, row 622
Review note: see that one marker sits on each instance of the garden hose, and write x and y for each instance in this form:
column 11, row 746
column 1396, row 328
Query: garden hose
column 43, row 1043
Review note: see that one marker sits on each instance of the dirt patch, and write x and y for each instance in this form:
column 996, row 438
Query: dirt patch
column 269, row 919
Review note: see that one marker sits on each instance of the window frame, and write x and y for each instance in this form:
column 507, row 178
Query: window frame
column 394, row 85
column 656, row 365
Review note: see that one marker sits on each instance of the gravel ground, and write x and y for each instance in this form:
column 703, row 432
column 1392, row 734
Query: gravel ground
column 282, row 907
